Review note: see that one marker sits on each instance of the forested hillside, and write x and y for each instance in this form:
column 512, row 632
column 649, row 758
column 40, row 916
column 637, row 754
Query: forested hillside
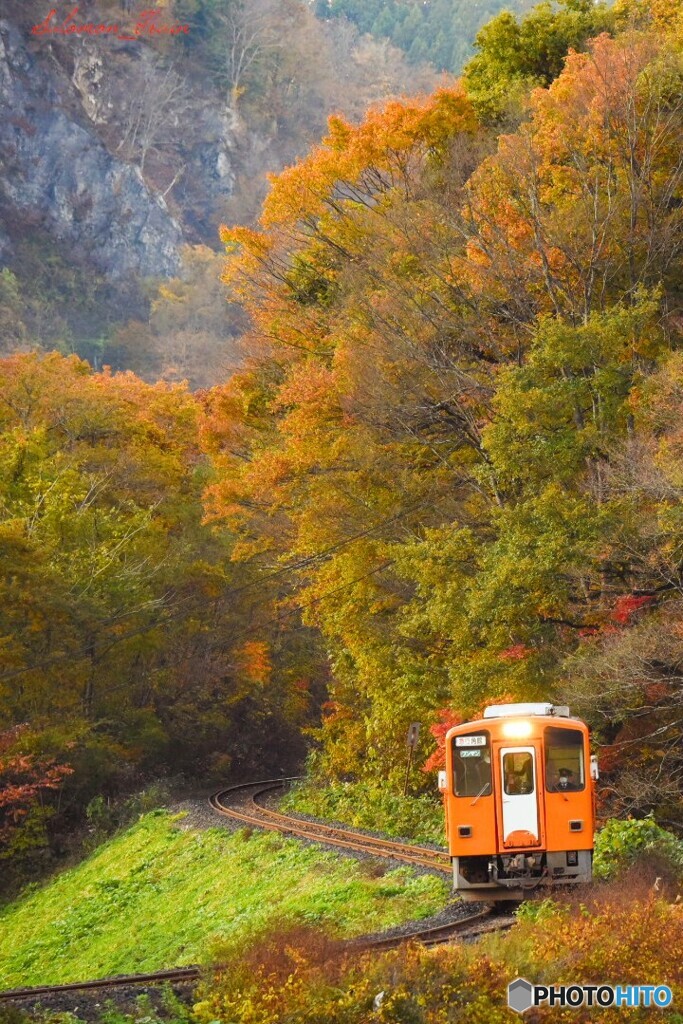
column 440, row 32
column 175, row 134
column 442, row 465
column 459, row 422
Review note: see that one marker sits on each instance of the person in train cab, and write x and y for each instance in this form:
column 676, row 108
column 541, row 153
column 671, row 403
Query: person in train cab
column 564, row 782
column 517, row 783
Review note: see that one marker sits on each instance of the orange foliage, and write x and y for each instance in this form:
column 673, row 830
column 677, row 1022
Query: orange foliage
column 254, row 662
column 372, row 154
column 624, row 934
column 551, row 210
column 389, row 288
column 620, row 934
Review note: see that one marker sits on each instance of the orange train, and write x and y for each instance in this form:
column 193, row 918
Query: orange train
column 519, row 796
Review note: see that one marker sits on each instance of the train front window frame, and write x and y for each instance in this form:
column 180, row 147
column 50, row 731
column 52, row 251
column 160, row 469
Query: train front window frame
column 472, row 774
column 565, row 754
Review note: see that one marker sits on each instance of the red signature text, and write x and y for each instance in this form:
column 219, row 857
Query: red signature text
column 149, row 23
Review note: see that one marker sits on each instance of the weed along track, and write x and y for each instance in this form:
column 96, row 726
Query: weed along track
column 242, row 804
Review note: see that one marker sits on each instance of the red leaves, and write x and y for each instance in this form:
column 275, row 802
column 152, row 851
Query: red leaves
column 515, row 653
column 626, row 606
column 447, row 719
column 23, row 777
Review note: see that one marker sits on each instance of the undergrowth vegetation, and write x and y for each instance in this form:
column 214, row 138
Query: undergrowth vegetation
column 371, row 806
column 625, row 931
column 621, row 932
column 619, row 843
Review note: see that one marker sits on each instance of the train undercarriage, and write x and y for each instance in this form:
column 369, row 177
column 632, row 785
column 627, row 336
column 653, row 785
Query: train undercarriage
column 516, row 875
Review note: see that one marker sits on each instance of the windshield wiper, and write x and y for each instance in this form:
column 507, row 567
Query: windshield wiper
column 487, row 785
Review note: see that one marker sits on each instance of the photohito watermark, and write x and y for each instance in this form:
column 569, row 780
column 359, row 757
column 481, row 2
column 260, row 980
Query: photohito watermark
column 522, row 995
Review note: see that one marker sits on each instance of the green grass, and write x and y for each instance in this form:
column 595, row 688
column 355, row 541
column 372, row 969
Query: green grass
column 371, row 806
column 157, row 896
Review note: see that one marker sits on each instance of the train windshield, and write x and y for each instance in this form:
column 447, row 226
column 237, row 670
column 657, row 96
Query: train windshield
column 564, row 760
column 472, row 765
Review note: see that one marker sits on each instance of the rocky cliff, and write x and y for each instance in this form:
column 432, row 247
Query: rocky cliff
column 117, row 147
column 78, row 118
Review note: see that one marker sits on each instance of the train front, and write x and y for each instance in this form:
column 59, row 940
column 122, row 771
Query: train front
column 519, row 800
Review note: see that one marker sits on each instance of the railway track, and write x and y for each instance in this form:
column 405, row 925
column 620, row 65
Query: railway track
column 466, row 929
column 255, row 814
column 177, row 974
column 264, row 817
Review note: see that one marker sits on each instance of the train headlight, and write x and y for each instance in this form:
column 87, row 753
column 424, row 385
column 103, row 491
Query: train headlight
column 517, row 730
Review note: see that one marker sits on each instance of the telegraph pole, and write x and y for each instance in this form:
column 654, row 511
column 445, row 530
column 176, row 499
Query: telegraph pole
column 411, row 743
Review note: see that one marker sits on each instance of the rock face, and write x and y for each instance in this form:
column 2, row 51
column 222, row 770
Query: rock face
column 59, row 168
column 125, row 88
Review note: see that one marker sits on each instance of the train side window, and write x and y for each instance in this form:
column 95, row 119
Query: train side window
column 472, row 765
column 565, row 767
column 518, row 773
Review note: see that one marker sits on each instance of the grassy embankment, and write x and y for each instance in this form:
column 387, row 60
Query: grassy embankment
column 156, row 896
column 373, row 807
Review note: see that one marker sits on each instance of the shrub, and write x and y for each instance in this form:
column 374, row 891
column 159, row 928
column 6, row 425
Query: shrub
column 618, row 933
column 620, row 842
column 536, row 910
column 300, row 977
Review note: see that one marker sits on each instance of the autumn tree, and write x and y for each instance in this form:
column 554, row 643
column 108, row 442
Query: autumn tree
column 514, row 55
column 580, row 207
column 123, row 623
column 359, row 365
column 26, row 777
column 628, row 668
column 445, row 349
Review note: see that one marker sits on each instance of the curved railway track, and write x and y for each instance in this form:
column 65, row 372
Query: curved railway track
column 264, row 817
column 258, row 816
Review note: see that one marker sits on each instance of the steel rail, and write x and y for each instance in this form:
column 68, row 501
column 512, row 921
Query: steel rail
column 152, row 978
column 263, row 817
column 439, row 857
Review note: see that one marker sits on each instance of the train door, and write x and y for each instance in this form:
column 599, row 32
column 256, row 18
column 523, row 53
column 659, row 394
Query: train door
column 520, row 824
